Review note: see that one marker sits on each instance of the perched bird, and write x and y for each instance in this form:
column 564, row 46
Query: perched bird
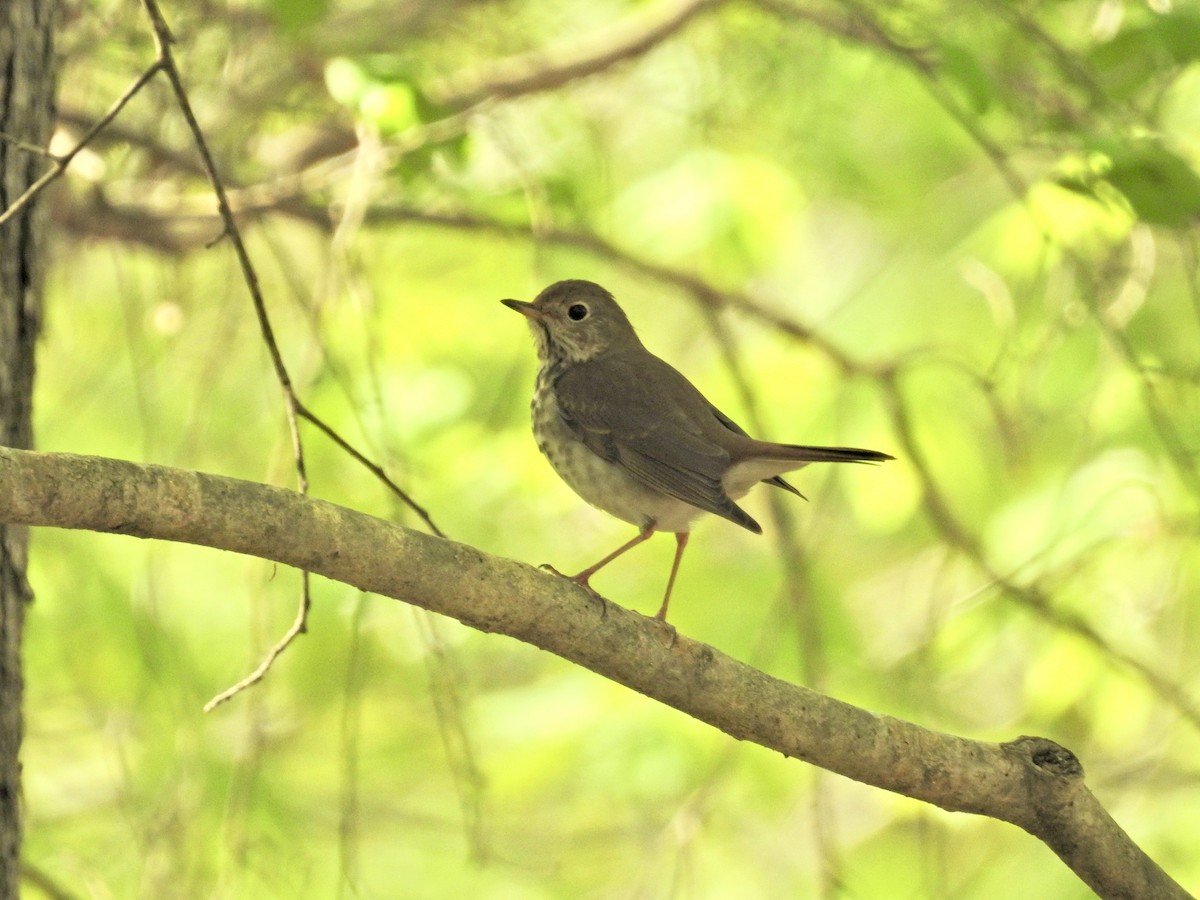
column 635, row 438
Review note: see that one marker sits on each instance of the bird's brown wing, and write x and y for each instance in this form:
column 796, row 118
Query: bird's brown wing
column 644, row 417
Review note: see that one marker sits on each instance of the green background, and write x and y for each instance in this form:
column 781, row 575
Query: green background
column 961, row 233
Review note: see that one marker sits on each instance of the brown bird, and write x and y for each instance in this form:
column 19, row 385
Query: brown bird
column 635, row 438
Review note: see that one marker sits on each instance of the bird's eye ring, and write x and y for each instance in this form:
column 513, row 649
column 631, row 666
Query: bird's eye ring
column 577, row 312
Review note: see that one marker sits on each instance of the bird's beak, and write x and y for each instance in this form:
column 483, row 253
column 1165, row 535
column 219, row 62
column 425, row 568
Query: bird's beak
column 526, row 309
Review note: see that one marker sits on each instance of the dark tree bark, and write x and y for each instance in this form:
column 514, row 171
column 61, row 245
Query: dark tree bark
column 27, row 78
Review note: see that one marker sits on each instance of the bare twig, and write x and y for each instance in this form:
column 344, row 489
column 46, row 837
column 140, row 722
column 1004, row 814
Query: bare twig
column 117, row 134
column 297, row 628
column 376, row 470
column 163, row 40
column 59, row 163
column 544, row 70
column 293, row 407
column 849, row 26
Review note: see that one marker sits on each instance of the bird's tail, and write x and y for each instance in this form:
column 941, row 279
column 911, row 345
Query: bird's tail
column 804, row 453
column 764, row 461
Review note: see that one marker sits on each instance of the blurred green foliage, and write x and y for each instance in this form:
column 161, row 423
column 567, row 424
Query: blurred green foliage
column 964, row 234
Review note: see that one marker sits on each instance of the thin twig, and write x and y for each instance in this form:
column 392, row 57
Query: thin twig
column 59, row 163
column 298, row 627
column 36, row 149
column 163, row 40
column 166, row 62
column 550, row 68
column 153, row 230
column 305, row 413
column 293, row 407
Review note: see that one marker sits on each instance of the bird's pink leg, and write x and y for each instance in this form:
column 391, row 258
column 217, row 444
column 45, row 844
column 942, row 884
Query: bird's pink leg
column 681, row 539
column 582, row 577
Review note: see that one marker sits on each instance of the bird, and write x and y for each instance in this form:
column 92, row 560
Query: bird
column 632, row 436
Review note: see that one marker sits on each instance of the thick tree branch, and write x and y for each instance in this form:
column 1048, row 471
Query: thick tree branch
column 1030, row 782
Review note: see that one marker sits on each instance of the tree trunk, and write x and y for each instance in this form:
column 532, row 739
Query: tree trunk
column 27, row 76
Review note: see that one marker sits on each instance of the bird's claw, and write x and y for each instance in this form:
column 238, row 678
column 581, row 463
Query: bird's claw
column 670, row 629
column 583, row 583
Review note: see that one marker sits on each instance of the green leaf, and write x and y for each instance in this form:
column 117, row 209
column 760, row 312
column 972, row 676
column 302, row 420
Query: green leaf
column 1161, row 186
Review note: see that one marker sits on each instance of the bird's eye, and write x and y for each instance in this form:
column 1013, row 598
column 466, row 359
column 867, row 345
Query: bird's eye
column 577, row 312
